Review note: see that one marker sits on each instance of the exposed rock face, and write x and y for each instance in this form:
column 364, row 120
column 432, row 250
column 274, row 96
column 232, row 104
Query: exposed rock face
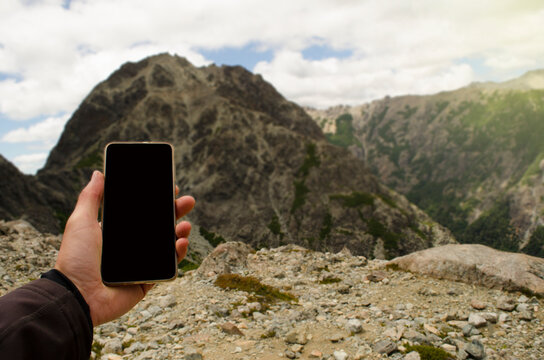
column 22, row 196
column 478, row 264
column 472, row 158
column 227, row 258
column 261, row 170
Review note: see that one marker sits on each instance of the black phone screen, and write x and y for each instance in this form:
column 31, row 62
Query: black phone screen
column 138, row 219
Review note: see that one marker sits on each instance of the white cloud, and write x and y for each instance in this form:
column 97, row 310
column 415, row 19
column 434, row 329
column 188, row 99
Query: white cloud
column 354, row 81
column 45, row 132
column 398, row 47
column 30, row 163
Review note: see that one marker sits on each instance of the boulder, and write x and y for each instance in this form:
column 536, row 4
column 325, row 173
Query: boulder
column 227, row 258
column 478, row 264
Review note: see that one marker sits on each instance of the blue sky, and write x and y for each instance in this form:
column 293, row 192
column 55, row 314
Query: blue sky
column 318, row 53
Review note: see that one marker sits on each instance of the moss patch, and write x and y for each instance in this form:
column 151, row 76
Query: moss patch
column 427, row 352
column 252, row 285
column 330, row 280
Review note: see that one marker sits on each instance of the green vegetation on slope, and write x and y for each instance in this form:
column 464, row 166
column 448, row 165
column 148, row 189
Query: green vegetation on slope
column 535, row 246
column 213, row 238
column 493, row 229
column 344, row 132
column 310, row 160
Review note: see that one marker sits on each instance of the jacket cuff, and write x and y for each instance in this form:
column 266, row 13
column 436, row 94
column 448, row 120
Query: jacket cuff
column 61, row 279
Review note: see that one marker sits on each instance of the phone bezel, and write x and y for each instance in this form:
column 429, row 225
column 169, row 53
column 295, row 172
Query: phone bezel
column 146, row 281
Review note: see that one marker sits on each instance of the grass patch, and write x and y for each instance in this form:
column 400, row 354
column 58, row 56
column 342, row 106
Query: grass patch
column 97, row 349
column 275, row 227
column 264, row 293
column 213, row 238
column 269, row 334
column 330, row 280
column 355, row 199
column 393, row 267
column 93, row 160
column 427, row 352
column 186, row 265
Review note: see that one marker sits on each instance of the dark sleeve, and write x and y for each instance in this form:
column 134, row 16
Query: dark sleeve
column 43, row 320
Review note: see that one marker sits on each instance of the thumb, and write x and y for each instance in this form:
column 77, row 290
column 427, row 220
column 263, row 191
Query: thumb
column 90, row 198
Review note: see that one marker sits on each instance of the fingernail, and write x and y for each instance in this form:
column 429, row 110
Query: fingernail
column 95, row 173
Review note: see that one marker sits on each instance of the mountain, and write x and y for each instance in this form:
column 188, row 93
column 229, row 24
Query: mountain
column 472, row 158
column 261, row 170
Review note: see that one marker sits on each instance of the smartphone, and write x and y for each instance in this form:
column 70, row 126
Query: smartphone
column 138, row 213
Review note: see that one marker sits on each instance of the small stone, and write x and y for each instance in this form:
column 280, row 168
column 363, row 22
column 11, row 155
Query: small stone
column 385, row 347
column 475, row 349
column 316, row 354
column 254, row 306
column 523, row 299
column 231, row 329
column 297, row 348
column 476, row 320
column 296, row 337
column 413, row 355
column 113, row 346
column 415, row 336
column 526, row 315
column 470, row 330
column 237, row 350
column 449, row 348
column 504, row 317
column 340, row 355
column 431, row 329
column 354, row 326
column 478, row 305
column 257, row 316
column 506, row 304
column 336, row 337
column 168, row 301
column 289, row 354
column 490, row 317
column 112, row 357
column 192, row 355
column 376, row 276
column 137, row 346
column 522, row 307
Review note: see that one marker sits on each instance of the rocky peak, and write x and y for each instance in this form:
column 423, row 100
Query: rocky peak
column 260, row 168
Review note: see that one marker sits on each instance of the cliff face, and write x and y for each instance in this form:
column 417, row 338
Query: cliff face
column 260, row 168
column 21, row 196
column 473, row 158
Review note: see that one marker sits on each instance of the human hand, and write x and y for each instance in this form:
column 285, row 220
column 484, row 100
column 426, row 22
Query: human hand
column 81, row 249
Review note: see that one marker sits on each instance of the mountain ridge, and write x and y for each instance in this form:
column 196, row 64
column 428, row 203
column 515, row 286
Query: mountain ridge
column 463, row 155
column 260, row 168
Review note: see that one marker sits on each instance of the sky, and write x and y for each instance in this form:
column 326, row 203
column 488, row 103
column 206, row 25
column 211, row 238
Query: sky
column 316, row 53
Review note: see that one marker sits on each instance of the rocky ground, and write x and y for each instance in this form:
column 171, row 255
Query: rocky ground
column 347, row 308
